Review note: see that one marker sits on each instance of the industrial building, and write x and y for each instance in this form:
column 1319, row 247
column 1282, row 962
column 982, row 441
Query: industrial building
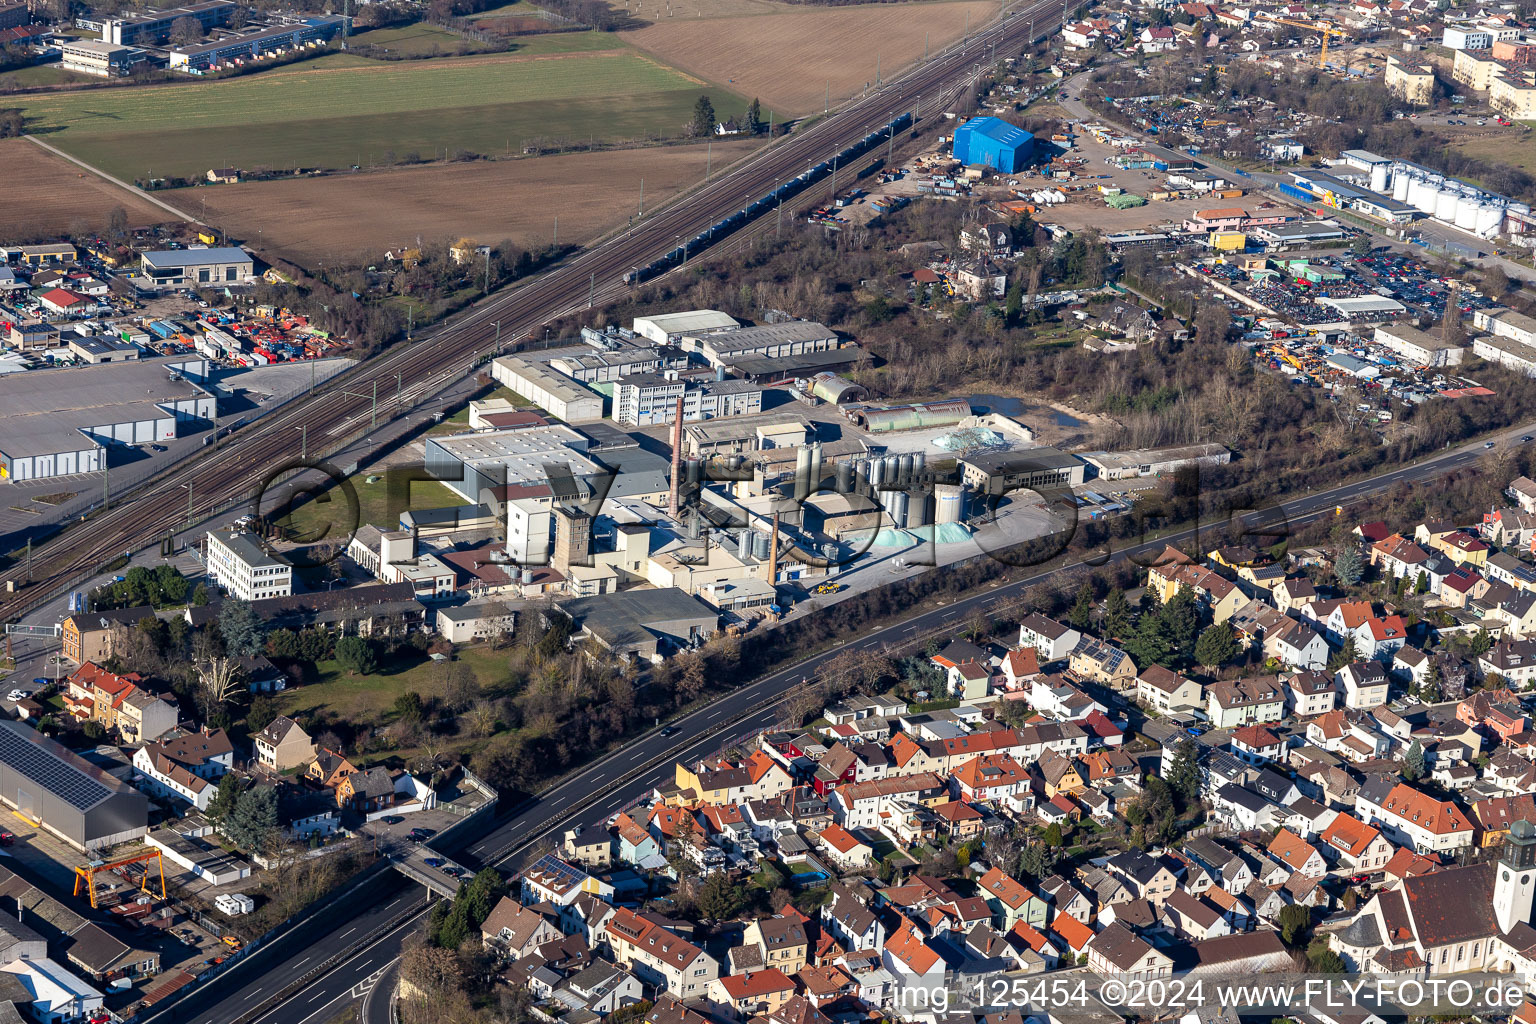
column 150, row 27
column 646, row 399
column 780, row 340
column 671, row 328
column 1419, row 347
column 237, row 562
column 642, row 623
column 46, row 783
column 93, row 57
column 997, row 473
column 181, row 268
column 58, row 421
column 222, row 52
column 554, row 392
column 994, row 143
column 1153, row 461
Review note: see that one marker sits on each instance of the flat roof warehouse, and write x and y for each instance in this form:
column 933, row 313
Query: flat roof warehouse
column 52, row 411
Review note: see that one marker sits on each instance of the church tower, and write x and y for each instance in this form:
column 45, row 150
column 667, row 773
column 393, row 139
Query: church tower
column 1515, row 884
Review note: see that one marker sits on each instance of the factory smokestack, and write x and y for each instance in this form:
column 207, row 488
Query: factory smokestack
column 677, row 456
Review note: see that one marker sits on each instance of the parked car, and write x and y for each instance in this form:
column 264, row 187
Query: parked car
column 434, row 862
column 392, row 819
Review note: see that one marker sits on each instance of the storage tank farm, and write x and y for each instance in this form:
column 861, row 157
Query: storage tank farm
column 1447, row 200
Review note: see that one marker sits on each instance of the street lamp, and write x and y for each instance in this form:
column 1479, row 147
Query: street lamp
column 188, row 486
column 304, row 450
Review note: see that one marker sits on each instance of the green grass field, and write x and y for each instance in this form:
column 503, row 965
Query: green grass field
column 341, row 109
column 369, row 698
column 328, row 516
column 416, row 40
column 31, row 78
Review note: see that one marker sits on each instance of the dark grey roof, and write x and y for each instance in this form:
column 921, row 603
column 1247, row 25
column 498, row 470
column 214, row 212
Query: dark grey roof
column 60, row 771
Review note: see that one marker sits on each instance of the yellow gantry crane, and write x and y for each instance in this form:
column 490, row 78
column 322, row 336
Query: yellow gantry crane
column 86, row 874
column 1321, row 29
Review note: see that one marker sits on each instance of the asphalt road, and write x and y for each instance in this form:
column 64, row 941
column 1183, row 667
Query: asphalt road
column 599, row 790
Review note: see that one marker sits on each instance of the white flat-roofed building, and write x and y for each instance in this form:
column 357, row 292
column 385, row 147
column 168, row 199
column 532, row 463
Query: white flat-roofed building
column 255, row 42
column 792, row 338
column 1506, row 323
column 646, row 399
column 1418, row 347
column 155, row 26
column 552, row 391
column 1466, row 37
column 241, row 566
column 93, row 57
column 177, row 268
column 671, row 328
column 1516, row 355
column 59, row 422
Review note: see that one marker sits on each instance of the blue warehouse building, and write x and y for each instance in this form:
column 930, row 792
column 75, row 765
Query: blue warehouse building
column 994, row 143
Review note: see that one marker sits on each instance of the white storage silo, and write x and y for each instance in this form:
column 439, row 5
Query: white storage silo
column 1379, row 178
column 1489, row 220
column 1400, row 182
column 1422, row 195
column 948, row 503
column 1466, row 212
column 1445, row 205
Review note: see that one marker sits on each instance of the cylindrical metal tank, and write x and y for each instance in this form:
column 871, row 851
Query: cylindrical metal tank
column 744, row 545
column 762, row 545
column 802, row 473
column 876, row 473
column 896, row 504
column 1422, row 195
column 815, row 465
column 1379, row 177
column 917, row 507
column 1400, row 182
column 948, row 503
column 527, row 576
column 1445, row 205
column 844, row 477
column 1466, row 212
column 1489, row 220
column 906, row 469
column 919, row 465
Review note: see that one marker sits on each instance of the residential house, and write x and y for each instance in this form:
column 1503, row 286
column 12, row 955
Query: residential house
column 1195, row 917
column 1415, row 819
column 1364, row 684
column 1051, row 640
column 1010, row 900
column 1118, row 950
column 1214, row 593
column 1167, row 691
column 1094, row 660
column 1296, row 853
column 185, row 765
column 846, row 851
column 658, row 956
column 1310, row 693
column 1244, row 701
column 283, row 745
column 514, row 930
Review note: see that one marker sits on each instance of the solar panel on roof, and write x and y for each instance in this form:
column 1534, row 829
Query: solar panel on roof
column 65, row 780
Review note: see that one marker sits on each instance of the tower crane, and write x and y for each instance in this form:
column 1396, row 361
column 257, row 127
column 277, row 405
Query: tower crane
column 1321, row 29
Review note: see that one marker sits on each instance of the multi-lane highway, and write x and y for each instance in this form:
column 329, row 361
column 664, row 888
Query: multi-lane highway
column 411, row 373
column 590, row 796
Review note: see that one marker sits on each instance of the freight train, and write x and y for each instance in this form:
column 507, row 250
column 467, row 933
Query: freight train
column 787, row 190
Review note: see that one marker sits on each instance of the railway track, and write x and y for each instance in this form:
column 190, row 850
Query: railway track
column 236, row 470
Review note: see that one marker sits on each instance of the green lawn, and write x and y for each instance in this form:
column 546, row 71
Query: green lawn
column 369, row 699
column 329, row 515
column 27, row 78
column 459, row 421
column 341, row 109
column 419, row 40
